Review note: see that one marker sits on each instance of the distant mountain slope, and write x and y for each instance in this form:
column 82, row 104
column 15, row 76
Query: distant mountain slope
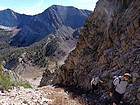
column 34, row 28
column 9, row 18
column 6, row 34
column 45, row 38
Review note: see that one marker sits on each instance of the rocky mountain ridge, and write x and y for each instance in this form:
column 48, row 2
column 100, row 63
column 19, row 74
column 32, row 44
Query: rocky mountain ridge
column 36, row 27
column 109, row 44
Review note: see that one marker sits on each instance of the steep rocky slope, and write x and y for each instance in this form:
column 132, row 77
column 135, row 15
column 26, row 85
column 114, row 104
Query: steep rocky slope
column 109, row 44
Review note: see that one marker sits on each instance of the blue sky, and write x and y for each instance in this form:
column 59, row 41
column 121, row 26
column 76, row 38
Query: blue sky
column 32, row 7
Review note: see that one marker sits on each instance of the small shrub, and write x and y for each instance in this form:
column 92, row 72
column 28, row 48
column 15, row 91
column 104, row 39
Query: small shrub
column 23, row 83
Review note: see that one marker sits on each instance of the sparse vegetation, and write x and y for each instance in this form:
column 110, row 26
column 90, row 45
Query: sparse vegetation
column 6, row 82
column 35, row 52
column 5, row 79
column 22, row 83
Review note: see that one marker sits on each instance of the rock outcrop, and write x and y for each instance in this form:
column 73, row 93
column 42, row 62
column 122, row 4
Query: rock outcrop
column 109, row 44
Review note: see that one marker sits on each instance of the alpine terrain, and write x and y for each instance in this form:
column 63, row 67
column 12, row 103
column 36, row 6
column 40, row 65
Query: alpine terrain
column 31, row 44
column 108, row 45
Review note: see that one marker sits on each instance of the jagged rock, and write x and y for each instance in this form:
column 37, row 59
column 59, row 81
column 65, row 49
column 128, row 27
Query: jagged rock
column 110, row 37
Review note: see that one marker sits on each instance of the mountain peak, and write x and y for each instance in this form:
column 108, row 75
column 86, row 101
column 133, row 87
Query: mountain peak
column 54, row 6
column 8, row 10
column 65, row 8
column 59, row 7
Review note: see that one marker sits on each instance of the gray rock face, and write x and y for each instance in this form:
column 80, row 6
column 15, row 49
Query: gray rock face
column 34, row 28
column 108, row 46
